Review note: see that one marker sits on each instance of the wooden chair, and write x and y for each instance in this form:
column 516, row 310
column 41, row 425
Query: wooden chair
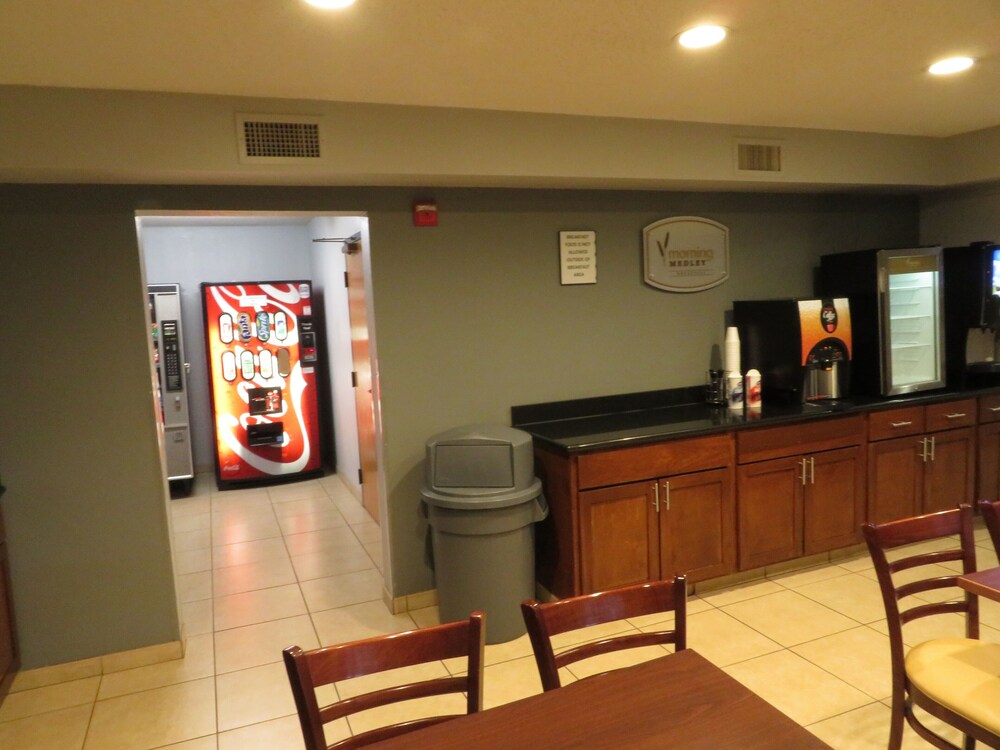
column 308, row 670
column 953, row 679
column 551, row 618
column 990, row 511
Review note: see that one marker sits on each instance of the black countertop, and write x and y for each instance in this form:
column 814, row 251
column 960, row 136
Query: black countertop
column 633, row 419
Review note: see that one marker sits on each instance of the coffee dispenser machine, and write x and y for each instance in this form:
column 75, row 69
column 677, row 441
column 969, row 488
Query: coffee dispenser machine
column 972, row 315
column 802, row 348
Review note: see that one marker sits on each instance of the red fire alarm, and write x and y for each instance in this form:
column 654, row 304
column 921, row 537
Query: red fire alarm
column 425, row 214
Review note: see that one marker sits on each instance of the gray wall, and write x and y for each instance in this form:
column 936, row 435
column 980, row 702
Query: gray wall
column 85, row 511
column 958, row 217
column 188, row 254
column 471, row 320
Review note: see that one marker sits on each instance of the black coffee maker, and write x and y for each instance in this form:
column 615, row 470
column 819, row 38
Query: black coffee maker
column 802, row 347
column 972, row 315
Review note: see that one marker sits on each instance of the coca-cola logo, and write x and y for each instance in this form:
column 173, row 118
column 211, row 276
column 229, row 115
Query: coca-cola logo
column 828, row 317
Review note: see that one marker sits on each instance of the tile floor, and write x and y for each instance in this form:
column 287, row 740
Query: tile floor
column 260, row 569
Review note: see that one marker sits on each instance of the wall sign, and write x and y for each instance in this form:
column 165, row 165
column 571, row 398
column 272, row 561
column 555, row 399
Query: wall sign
column 685, row 254
column 578, row 257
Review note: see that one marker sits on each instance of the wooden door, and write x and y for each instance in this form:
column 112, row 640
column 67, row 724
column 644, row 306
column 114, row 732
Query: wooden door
column 8, row 642
column 769, row 511
column 363, row 398
column 834, row 500
column 988, row 471
column 698, row 525
column 619, row 536
column 949, row 475
column 895, row 478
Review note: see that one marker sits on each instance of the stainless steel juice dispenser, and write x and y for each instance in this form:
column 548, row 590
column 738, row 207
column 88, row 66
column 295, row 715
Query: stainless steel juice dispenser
column 802, row 347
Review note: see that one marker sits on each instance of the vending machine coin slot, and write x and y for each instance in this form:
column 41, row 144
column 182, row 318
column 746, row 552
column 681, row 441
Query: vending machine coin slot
column 268, row 433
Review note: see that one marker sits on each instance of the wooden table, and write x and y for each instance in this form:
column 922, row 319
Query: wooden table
column 679, row 701
column 984, row 583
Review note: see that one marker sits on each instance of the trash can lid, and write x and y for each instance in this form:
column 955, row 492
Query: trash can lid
column 495, row 458
column 480, row 498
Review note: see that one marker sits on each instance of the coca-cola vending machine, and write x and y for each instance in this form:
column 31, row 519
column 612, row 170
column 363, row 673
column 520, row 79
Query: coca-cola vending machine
column 260, row 339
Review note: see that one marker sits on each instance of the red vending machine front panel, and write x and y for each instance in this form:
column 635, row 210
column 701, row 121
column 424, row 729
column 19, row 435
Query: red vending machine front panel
column 261, row 347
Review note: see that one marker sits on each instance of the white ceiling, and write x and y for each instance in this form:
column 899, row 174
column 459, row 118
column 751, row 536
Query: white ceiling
column 835, row 64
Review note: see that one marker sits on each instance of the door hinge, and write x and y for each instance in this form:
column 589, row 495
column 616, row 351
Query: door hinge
column 354, row 379
column 346, row 284
column 361, row 476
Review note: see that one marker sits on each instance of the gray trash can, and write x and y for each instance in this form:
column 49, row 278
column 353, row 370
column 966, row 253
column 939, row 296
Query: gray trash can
column 482, row 502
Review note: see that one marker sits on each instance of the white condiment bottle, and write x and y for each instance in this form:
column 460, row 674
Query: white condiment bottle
column 752, row 389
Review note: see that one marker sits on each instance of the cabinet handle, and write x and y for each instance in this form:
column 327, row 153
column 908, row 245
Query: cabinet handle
column 666, row 489
column 923, row 450
column 933, row 445
column 901, row 424
column 995, row 408
column 802, row 478
column 957, row 415
column 656, row 496
column 812, row 470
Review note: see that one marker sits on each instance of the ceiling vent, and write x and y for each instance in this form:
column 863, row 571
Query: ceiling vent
column 757, row 157
column 278, row 139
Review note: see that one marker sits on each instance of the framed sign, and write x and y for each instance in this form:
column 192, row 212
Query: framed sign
column 685, row 254
column 578, row 257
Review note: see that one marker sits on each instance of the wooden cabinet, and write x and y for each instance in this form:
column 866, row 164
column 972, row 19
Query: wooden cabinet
column 707, row 506
column 636, row 514
column 8, row 641
column 988, row 449
column 645, row 531
column 921, row 459
column 801, row 489
column 619, row 539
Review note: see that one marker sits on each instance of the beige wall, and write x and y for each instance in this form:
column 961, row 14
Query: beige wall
column 68, row 135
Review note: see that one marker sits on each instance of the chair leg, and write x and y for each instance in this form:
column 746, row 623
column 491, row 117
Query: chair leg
column 896, row 723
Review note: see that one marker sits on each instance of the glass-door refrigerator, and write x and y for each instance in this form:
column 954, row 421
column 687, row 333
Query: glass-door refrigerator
column 897, row 314
column 260, row 342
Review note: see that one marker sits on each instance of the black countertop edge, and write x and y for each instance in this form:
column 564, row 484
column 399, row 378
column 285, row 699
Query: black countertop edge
column 605, row 405
column 620, row 421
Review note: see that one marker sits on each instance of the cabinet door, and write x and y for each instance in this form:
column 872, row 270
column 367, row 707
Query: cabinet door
column 988, row 450
column 895, row 478
column 697, row 525
column 770, row 512
column 834, row 500
column 619, row 537
column 950, row 473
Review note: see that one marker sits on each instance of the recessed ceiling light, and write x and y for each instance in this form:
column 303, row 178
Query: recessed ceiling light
column 950, row 65
column 702, row 36
column 331, row 4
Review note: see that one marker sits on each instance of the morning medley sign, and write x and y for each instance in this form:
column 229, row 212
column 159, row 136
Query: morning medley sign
column 685, row 254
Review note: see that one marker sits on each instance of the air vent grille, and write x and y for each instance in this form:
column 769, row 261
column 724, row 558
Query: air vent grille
column 278, row 139
column 758, row 157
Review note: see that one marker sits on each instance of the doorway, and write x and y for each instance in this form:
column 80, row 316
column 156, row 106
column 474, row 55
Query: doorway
column 188, row 248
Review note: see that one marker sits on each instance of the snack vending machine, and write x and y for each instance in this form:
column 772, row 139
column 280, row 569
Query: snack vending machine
column 171, row 375
column 260, row 340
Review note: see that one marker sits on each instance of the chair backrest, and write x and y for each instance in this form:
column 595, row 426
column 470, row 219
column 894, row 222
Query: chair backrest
column 887, row 536
column 552, row 618
column 990, row 511
column 308, row 670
